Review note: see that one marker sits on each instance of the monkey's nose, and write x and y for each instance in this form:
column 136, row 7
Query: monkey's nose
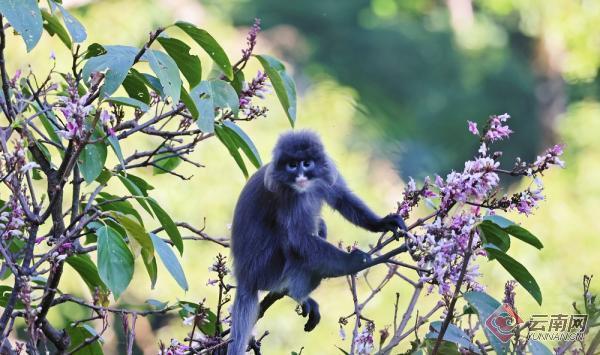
column 301, row 180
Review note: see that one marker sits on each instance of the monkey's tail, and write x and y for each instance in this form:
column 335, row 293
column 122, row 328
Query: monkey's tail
column 244, row 313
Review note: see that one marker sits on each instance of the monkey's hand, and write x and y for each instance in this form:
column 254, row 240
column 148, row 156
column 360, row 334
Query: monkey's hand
column 359, row 260
column 392, row 222
column 310, row 308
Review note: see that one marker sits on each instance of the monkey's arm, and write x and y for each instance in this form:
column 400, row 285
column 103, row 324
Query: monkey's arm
column 356, row 211
column 321, row 258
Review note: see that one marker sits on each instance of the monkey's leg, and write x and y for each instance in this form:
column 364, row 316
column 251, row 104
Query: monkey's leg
column 268, row 301
column 300, row 286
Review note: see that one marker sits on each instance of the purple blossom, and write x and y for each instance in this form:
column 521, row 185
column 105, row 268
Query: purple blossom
column 258, row 87
column 550, row 157
column 496, row 130
column 509, row 293
column 364, row 341
column 75, row 111
column 251, row 40
column 473, row 128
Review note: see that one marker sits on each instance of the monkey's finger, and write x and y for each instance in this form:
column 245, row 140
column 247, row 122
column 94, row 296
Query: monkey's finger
column 313, row 319
column 305, row 309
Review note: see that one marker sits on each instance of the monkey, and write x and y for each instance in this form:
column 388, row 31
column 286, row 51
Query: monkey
column 278, row 238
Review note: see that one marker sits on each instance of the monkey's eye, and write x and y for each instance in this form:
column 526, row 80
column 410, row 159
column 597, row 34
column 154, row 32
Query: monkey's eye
column 291, row 166
column 308, row 164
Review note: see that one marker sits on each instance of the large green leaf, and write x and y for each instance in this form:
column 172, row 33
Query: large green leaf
column 25, row 17
column 189, row 65
column 166, row 70
column 231, row 145
column 283, row 84
column 165, row 161
column 485, row 306
column 168, row 224
column 115, row 261
column 91, row 161
column 244, row 142
column 518, row 271
column 170, row 261
column 88, row 271
column 108, row 202
column 208, row 43
column 493, row 234
column 151, row 267
column 75, row 27
column 53, row 26
column 210, row 95
column 514, row 229
column 453, row 334
column 78, row 335
column 135, row 190
column 129, row 101
column 116, row 61
column 138, row 237
column 135, row 86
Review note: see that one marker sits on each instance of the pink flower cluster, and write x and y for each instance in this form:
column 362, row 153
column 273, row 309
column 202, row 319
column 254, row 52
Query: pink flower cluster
column 550, row 157
column 75, row 111
column 364, row 340
column 251, row 39
column 412, row 196
column 441, row 250
column 258, row 87
column 497, row 130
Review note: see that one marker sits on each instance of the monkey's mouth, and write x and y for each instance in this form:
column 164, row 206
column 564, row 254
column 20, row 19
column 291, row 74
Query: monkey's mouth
column 302, row 183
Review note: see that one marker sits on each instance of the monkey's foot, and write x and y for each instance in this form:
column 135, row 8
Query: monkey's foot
column 310, row 308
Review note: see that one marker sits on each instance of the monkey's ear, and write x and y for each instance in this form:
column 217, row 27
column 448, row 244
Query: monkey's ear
column 268, row 179
column 333, row 175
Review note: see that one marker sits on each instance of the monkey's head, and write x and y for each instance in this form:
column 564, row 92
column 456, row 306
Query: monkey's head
column 299, row 162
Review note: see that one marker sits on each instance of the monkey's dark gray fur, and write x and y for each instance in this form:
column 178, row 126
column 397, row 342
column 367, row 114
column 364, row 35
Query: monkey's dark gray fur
column 278, row 236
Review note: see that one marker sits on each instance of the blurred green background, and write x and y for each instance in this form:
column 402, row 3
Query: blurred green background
column 389, row 85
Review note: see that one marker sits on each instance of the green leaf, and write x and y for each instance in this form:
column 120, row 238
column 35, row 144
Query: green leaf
column 5, row 292
column 238, row 82
column 189, row 65
column 138, row 237
column 170, row 261
column 117, row 205
column 514, row 229
column 453, row 334
column 91, row 161
column 168, row 224
column 210, row 95
column 115, row 261
column 75, row 27
column 131, row 102
column 166, row 70
column 88, row 271
column 283, row 84
column 189, row 103
column 232, row 147
column 208, row 43
column 54, row 27
column 116, row 61
column 523, row 234
column 165, row 162
column 151, row 267
column 25, row 17
column 209, row 325
column 135, row 86
column 141, row 184
column 493, row 234
column 135, row 190
column 244, row 142
column 116, row 147
column 94, row 50
column 153, row 83
column 78, row 335
column 518, row 271
column 485, row 306
column 499, row 220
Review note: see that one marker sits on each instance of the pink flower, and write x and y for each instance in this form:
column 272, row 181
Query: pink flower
column 473, row 128
column 496, row 130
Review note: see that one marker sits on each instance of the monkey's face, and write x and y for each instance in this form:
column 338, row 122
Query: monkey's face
column 299, row 162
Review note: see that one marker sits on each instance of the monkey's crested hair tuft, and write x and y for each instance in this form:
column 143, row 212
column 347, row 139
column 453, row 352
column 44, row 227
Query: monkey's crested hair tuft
column 298, row 145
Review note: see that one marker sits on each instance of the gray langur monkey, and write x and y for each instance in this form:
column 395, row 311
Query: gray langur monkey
column 278, row 237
